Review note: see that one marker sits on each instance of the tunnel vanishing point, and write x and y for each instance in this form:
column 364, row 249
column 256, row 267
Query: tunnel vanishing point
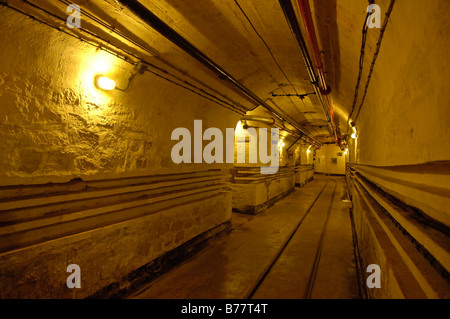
column 320, row 168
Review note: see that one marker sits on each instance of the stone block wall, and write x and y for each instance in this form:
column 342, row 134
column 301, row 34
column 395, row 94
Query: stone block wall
column 86, row 176
column 110, row 228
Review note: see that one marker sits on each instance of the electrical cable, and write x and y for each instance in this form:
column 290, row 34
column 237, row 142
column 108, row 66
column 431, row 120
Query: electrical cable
column 96, row 45
column 240, row 110
column 129, row 82
column 361, row 64
column 185, row 87
column 109, row 27
column 375, row 56
column 265, row 43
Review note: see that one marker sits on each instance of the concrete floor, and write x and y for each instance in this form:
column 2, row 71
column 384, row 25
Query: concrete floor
column 253, row 261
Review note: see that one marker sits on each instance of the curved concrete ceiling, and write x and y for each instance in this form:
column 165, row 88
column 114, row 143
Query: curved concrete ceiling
column 252, row 41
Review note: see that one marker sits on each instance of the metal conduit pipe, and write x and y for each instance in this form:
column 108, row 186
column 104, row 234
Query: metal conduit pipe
column 311, row 33
column 165, row 30
column 283, row 128
column 269, row 121
column 291, row 18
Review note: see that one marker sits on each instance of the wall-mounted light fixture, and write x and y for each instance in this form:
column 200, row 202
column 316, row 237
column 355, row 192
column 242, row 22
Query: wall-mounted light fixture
column 353, row 125
column 354, row 135
column 104, row 83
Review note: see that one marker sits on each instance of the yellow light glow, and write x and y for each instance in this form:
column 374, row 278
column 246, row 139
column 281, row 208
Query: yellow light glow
column 93, row 64
column 280, row 145
column 101, row 63
column 353, row 135
column 104, row 83
column 239, row 130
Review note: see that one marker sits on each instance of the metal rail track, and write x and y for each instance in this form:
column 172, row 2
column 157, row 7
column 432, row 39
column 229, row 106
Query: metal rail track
column 312, row 277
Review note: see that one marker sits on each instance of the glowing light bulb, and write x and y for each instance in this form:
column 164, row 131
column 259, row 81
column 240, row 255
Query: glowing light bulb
column 105, row 83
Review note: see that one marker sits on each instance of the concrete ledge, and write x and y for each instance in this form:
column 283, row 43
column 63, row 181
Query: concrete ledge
column 413, row 255
column 106, row 254
column 424, row 186
column 254, row 210
column 253, row 192
column 304, row 182
column 254, row 197
column 157, row 267
column 303, row 174
column 109, row 232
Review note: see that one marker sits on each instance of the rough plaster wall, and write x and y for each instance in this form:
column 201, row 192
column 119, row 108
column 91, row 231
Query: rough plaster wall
column 286, row 157
column 301, row 155
column 404, row 119
column 307, row 157
column 296, row 155
column 55, row 125
column 243, row 142
column 326, row 153
column 405, row 116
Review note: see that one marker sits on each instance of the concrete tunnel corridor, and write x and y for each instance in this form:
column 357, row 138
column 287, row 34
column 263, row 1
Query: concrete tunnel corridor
column 232, row 149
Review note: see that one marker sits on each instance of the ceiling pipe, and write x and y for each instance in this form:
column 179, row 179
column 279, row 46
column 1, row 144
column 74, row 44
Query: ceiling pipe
column 291, row 18
column 266, row 120
column 269, row 121
column 165, row 30
column 311, row 33
column 284, row 128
